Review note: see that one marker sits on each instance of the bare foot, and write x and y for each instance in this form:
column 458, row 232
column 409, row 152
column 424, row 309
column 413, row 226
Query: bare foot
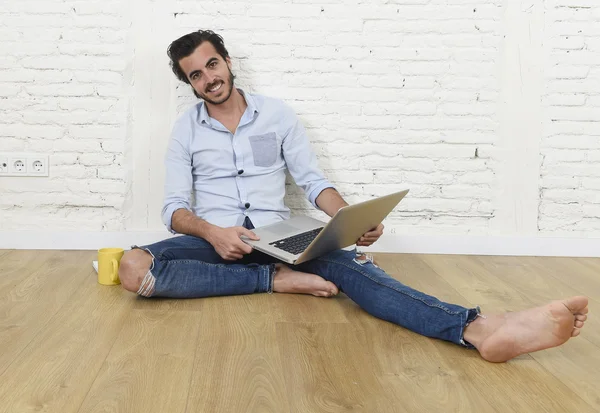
column 502, row 337
column 290, row 281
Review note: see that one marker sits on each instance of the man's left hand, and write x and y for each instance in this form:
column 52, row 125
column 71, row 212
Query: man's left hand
column 370, row 237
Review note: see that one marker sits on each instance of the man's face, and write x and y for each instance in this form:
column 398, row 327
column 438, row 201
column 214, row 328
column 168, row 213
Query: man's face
column 208, row 73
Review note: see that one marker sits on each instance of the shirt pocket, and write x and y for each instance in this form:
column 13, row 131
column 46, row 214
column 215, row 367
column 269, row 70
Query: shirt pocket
column 264, row 149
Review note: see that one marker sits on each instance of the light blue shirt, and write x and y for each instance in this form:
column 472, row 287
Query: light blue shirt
column 231, row 176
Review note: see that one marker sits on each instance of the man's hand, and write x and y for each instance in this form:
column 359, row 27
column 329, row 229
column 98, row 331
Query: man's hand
column 228, row 244
column 370, row 237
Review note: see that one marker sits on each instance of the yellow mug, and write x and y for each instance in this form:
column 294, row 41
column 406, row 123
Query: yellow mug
column 108, row 265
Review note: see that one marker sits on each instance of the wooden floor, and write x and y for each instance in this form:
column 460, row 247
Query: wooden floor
column 68, row 344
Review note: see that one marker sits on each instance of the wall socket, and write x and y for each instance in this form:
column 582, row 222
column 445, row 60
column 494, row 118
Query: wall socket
column 23, row 164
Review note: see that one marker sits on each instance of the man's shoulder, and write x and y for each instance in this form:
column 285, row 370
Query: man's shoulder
column 271, row 104
column 186, row 122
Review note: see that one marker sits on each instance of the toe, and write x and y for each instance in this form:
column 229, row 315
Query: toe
column 581, row 317
column 575, row 332
column 577, row 304
column 578, row 324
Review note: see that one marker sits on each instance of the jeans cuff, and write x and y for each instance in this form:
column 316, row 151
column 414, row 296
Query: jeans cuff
column 270, row 277
column 472, row 314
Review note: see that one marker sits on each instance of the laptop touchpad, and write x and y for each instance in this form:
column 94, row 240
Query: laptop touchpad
column 283, row 229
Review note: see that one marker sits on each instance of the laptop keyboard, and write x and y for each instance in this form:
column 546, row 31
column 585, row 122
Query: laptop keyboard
column 296, row 243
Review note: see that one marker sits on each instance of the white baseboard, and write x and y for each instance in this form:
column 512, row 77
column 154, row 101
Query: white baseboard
column 422, row 244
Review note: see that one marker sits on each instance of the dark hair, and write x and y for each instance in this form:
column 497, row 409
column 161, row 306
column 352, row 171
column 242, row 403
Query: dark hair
column 185, row 46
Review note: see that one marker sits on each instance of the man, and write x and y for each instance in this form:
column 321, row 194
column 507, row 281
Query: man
column 232, row 150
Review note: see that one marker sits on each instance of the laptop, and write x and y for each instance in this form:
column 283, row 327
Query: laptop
column 303, row 238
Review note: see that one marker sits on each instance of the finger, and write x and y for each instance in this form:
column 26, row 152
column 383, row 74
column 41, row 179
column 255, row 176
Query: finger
column 368, row 238
column 242, row 248
column 248, row 233
column 376, row 233
column 233, row 257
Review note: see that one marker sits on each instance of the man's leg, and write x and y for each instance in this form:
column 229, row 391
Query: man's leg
column 497, row 337
column 186, row 267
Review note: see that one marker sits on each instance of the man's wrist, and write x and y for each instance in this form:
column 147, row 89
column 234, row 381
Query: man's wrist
column 209, row 232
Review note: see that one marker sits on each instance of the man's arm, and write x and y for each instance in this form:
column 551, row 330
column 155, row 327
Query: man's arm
column 330, row 201
column 226, row 241
column 300, row 160
column 184, row 221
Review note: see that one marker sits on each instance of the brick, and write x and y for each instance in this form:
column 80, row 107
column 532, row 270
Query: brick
column 77, row 145
column 566, row 99
column 96, row 132
column 94, row 159
column 31, row 131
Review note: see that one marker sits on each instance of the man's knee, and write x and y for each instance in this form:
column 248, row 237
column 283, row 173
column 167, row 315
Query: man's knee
column 134, row 266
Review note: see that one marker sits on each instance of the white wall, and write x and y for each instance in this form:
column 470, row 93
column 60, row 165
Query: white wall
column 487, row 111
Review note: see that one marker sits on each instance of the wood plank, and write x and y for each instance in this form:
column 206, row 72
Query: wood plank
column 493, row 293
column 543, row 280
column 17, row 265
column 577, row 366
column 534, row 281
column 104, row 349
column 55, row 371
column 329, row 368
column 415, row 371
column 237, row 367
column 33, row 297
column 302, row 308
column 148, row 368
column 520, row 385
column 581, row 275
column 411, row 270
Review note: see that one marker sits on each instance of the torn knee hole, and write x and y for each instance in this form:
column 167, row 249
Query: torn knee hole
column 363, row 258
column 147, row 286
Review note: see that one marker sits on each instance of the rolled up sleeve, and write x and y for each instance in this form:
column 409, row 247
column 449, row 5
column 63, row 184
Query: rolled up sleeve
column 178, row 179
column 301, row 160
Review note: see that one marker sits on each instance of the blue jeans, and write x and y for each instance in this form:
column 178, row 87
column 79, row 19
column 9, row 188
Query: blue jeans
column 189, row 267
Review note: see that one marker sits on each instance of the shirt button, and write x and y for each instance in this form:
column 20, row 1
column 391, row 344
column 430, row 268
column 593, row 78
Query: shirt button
column 241, row 171
column 247, row 205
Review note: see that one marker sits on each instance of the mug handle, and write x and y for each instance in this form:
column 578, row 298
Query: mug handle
column 114, row 276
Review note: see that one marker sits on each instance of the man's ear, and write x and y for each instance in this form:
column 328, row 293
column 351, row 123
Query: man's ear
column 228, row 60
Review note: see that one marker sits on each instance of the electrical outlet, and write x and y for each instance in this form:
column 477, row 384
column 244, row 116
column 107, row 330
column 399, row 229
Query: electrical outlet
column 18, row 165
column 23, row 164
column 37, row 165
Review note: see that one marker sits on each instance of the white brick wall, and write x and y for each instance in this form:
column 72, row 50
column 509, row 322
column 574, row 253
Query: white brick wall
column 61, row 92
column 570, row 168
column 394, row 94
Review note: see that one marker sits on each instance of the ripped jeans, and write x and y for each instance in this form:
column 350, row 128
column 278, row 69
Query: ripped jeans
column 189, row 267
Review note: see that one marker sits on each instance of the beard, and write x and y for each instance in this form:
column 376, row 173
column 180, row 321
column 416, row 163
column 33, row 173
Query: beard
column 224, row 98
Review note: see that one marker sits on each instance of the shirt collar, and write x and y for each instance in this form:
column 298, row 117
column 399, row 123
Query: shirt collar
column 252, row 108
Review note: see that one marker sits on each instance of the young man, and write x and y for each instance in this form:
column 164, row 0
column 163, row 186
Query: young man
column 232, row 150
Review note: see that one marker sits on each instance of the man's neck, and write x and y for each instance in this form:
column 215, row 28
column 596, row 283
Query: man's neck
column 233, row 108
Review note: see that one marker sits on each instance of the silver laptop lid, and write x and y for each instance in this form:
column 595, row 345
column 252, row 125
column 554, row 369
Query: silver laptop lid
column 350, row 223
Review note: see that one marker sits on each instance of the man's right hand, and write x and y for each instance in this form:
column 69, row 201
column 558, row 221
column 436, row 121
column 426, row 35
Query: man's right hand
column 228, row 244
